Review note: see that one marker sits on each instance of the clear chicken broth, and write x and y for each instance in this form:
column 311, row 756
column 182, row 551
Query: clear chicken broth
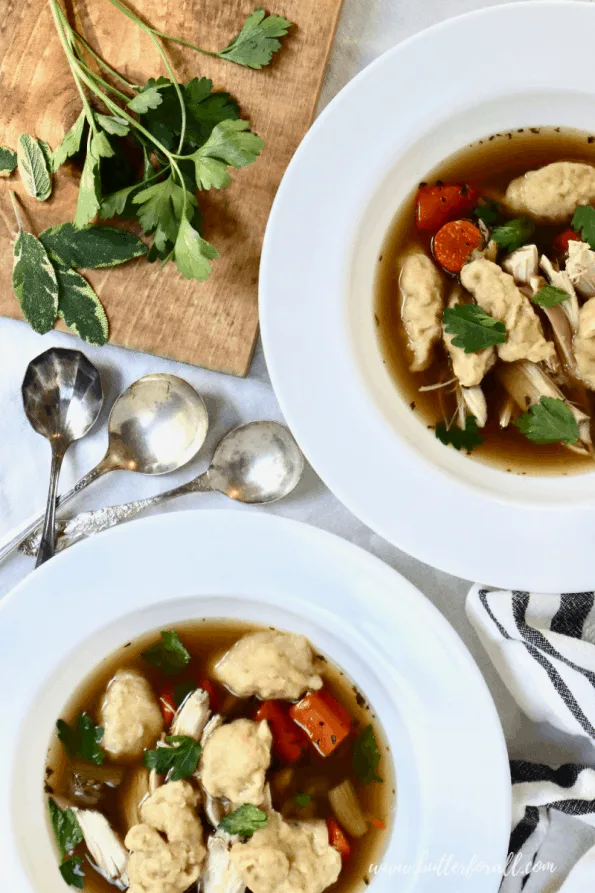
column 207, row 640
column 489, row 164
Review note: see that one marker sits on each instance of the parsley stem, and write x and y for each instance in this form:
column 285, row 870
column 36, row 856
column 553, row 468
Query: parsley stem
column 185, row 43
column 59, row 17
column 101, row 61
column 98, row 79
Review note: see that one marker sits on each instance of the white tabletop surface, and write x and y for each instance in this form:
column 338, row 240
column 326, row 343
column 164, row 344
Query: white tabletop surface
column 367, row 28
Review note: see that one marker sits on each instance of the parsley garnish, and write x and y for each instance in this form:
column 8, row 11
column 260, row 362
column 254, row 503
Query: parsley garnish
column 181, row 759
column 244, row 821
column 83, row 740
column 302, row 800
column 168, row 655
column 472, row 327
column 366, row 756
column 514, row 233
column 549, row 296
column 66, row 828
column 73, row 872
column 488, row 211
column 460, row 438
column 257, row 41
column 583, row 222
column 549, row 421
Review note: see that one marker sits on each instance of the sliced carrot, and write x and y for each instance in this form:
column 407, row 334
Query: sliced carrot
column 289, row 741
column 560, row 243
column 454, row 242
column 324, row 720
column 167, row 704
column 378, row 823
column 209, row 687
column 338, row 839
column 436, row 205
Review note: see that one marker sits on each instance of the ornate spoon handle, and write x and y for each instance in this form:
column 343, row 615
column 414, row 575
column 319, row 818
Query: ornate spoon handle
column 87, row 523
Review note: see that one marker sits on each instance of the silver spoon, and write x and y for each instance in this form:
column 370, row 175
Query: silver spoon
column 62, row 397
column 256, row 463
column 157, row 425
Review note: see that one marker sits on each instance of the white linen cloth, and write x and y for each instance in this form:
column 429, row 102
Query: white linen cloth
column 366, row 28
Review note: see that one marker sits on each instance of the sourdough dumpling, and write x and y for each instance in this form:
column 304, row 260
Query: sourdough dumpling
column 234, row 761
column 270, row 664
column 584, row 344
column 552, row 193
column 422, row 290
column 130, row 716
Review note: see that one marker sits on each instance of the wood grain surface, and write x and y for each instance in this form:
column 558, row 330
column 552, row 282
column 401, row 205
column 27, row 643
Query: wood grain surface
column 212, row 324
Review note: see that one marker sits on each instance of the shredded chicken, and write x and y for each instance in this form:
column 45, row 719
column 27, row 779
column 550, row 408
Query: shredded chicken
column 475, row 402
column 220, row 874
column 234, row 761
column 422, row 290
column 287, row 857
column 130, row 716
column 270, row 664
column 496, row 292
column 552, row 193
column 580, row 267
column 469, row 368
column 561, row 279
column 105, row 846
column 584, row 344
column 522, row 264
column 192, row 716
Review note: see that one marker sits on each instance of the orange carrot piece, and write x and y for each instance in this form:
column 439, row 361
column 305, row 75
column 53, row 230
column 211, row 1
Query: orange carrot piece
column 378, row 823
column 338, row 839
column 436, row 205
column 289, row 741
column 324, row 720
column 454, row 242
column 560, row 243
column 167, row 704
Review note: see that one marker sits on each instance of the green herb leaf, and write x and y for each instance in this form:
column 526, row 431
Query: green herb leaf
column 583, row 222
column 168, row 655
column 73, row 873
column 302, row 800
column 79, row 306
column 33, row 167
column 8, row 161
column 472, row 327
column 244, row 821
column 192, row 253
column 230, row 143
column 113, row 124
column 147, row 98
column 161, row 210
column 88, row 201
column 71, row 142
column 82, row 740
column 182, row 690
column 466, row 438
column 181, row 758
column 115, row 204
column 101, row 146
column 257, row 41
column 92, row 247
column 34, row 282
column 66, row 828
column 366, row 756
column 549, row 296
column 488, row 211
column 549, row 421
column 514, row 233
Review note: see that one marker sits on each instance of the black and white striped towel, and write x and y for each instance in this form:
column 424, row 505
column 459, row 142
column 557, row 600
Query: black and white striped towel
column 543, row 647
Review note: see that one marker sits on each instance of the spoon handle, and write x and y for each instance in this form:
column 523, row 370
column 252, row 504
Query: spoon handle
column 47, row 546
column 32, row 526
column 87, row 523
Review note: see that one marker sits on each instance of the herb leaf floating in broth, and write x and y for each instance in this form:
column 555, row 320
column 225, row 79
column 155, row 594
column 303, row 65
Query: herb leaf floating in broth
column 302, row 800
column 181, row 758
column 366, row 756
column 257, row 41
column 583, row 222
column 244, row 821
column 550, row 296
column 73, row 872
column 488, row 211
column 66, row 828
column 549, row 421
column 32, row 159
column 83, row 740
column 8, row 161
column 168, row 655
column 473, row 328
column 466, row 438
column 514, row 233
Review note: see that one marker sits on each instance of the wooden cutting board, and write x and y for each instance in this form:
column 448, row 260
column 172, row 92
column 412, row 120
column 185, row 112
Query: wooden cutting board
column 212, row 324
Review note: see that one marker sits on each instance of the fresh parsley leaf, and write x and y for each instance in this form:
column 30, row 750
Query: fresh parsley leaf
column 161, row 208
column 230, row 143
column 168, row 655
column 92, row 247
column 113, row 124
column 466, row 438
column 73, row 873
column 549, row 421
column 33, row 167
column 472, row 327
column 66, row 828
column 514, row 233
column 8, row 161
column 488, row 211
column 302, row 800
column 71, row 142
column 192, row 253
column 181, row 758
column 257, row 41
column 79, row 306
column 549, row 296
column 366, row 756
column 244, row 821
column 83, row 739
column 89, row 197
column 147, row 98
column 101, row 146
column 116, row 203
column 35, row 283
column 583, row 222
column 182, row 690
